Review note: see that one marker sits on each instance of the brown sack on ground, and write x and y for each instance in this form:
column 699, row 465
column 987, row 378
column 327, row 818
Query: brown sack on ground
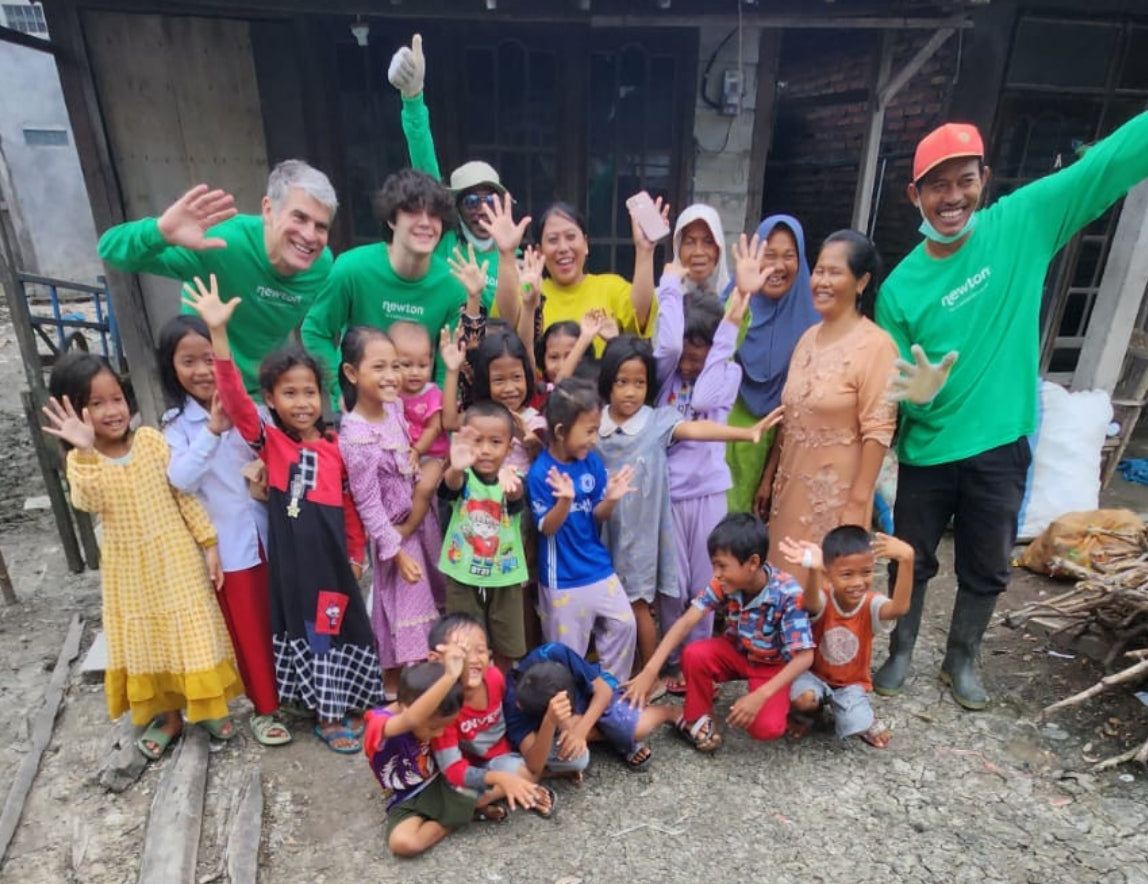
column 1088, row 539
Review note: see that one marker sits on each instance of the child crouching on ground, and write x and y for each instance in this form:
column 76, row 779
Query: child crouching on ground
column 556, row 703
column 843, row 626
column 767, row 640
column 422, row 808
column 473, row 752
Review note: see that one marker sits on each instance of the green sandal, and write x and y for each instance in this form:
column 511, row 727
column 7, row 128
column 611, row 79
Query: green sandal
column 155, row 734
column 219, row 728
column 269, row 731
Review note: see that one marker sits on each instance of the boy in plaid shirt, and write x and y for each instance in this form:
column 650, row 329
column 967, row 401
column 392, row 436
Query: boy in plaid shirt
column 768, row 639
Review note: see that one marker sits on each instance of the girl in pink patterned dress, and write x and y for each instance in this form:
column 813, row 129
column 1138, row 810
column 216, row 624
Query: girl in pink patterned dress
column 376, row 448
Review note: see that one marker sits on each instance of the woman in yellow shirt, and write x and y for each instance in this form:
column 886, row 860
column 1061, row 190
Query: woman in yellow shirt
column 568, row 291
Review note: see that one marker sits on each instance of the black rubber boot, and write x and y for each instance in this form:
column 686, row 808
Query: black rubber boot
column 889, row 679
column 971, row 615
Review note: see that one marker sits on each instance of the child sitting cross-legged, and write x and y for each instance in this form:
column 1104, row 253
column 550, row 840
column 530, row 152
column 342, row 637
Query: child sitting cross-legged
column 556, row 703
column 767, row 640
column 422, row 807
column 473, row 751
column 844, row 621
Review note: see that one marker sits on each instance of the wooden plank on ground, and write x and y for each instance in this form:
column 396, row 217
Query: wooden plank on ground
column 246, row 829
column 96, row 660
column 171, row 845
column 43, row 724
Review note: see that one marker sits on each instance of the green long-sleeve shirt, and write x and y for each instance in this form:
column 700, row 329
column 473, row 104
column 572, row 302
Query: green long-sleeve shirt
column 273, row 304
column 984, row 302
column 420, row 144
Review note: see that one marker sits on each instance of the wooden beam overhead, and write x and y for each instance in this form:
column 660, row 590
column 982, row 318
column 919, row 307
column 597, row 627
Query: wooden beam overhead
column 11, row 35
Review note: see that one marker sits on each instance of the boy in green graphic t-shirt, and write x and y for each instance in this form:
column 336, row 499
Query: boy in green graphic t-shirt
column 482, row 554
column 276, row 262
column 973, row 289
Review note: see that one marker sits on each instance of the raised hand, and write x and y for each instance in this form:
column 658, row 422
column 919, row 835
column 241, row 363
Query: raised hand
column 453, row 659
column 750, row 270
column 468, row 271
column 408, row 67
column 205, row 301
column 591, row 323
column 888, row 547
column 510, row 481
column 802, row 553
column 218, row 421
column 530, row 278
column 737, row 304
column 560, row 484
column 500, row 226
column 462, row 448
column 618, row 484
column 65, row 425
column 920, row 381
column 185, row 221
column 609, row 329
column 770, row 420
column 674, row 269
column 452, row 347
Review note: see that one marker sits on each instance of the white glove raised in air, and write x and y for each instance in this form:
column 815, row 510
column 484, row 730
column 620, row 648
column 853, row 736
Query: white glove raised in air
column 408, row 68
column 919, row 382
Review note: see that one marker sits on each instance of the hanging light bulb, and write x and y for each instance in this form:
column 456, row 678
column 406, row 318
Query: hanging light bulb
column 361, row 31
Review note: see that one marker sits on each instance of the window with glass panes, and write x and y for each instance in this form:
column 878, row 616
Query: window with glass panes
column 1049, row 112
column 28, row 18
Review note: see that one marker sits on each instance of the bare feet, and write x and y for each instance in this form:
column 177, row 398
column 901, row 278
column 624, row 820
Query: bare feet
column 878, row 736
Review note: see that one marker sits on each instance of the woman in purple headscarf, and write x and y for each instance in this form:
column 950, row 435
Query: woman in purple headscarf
column 780, row 312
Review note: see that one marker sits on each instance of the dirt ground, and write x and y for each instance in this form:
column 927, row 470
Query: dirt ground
column 958, row 797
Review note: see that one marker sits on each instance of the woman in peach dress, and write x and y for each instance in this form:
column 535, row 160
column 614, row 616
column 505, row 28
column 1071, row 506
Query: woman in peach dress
column 838, row 422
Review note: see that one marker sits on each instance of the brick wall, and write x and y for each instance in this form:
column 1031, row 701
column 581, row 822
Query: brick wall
column 821, row 119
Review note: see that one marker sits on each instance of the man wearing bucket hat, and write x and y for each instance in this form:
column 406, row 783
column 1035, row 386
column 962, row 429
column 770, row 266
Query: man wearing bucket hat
column 973, row 287
column 473, row 185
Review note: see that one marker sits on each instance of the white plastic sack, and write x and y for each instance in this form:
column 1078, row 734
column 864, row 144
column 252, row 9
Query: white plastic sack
column 1065, row 472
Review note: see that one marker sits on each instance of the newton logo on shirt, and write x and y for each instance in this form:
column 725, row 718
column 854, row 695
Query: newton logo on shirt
column 393, row 308
column 270, row 294
column 967, row 290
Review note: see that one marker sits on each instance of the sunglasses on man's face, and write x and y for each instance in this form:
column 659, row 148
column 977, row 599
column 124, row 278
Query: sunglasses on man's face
column 473, row 200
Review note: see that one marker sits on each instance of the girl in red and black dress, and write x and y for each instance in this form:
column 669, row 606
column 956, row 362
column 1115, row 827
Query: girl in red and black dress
column 325, row 655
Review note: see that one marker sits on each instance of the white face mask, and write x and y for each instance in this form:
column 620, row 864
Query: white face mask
column 930, row 232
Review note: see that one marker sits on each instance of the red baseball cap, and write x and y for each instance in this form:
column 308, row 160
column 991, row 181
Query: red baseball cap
column 947, row 142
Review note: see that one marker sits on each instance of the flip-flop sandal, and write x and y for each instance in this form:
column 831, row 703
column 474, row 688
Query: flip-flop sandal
column 703, row 734
column 492, row 813
column 269, row 731
column 338, row 733
column 220, row 728
column 549, row 811
column 157, row 735
column 639, row 759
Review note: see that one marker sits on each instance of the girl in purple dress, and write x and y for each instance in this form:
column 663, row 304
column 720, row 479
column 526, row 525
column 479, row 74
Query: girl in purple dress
column 376, row 447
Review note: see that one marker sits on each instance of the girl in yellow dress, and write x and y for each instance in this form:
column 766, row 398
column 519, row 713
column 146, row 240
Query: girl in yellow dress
column 168, row 649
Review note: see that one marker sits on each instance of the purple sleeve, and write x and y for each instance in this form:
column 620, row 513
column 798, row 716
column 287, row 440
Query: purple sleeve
column 363, row 476
column 717, row 385
column 668, row 328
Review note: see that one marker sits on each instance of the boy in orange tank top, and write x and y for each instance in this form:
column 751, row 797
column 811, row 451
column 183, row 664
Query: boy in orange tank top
column 844, row 621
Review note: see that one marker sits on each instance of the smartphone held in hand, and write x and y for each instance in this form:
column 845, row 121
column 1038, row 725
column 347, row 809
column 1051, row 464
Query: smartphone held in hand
column 653, row 225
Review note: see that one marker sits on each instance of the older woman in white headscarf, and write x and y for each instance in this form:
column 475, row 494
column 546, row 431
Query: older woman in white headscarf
column 699, row 247
column 693, row 344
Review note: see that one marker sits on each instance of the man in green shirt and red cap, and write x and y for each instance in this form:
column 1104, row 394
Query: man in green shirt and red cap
column 973, row 287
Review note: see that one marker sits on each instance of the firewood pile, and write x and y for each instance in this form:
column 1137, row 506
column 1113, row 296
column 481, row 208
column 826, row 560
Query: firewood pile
column 1109, row 597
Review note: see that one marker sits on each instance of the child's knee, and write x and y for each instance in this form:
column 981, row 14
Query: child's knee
column 405, row 839
column 767, row 729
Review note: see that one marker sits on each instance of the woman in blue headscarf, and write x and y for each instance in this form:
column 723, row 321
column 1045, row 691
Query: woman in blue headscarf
column 780, row 312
